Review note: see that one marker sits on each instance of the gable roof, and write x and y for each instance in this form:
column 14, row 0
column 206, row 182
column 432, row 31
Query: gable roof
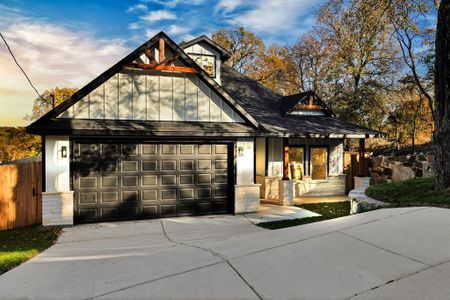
column 223, row 53
column 265, row 105
column 288, row 103
column 260, row 106
column 34, row 127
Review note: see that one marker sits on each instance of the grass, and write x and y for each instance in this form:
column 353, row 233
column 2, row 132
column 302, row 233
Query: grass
column 411, row 192
column 328, row 210
column 20, row 244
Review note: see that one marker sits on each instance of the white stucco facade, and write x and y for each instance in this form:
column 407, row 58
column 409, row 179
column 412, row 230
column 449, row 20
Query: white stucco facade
column 246, row 191
column 57, row 199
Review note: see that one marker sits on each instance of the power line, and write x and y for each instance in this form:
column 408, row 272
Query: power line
column 20, row 67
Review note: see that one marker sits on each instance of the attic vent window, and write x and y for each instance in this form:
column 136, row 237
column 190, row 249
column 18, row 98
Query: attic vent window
column 206, row 62
column 309, row 105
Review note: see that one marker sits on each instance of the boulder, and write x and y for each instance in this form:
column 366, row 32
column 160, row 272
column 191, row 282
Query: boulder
column 376, row 178
column 377, row 161
column 402, row 173
column 387, row 171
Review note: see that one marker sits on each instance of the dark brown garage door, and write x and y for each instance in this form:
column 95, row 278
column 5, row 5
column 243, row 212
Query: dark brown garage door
column 115, row 181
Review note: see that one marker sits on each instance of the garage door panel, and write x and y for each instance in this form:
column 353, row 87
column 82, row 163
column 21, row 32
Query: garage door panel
column 148, row 150
column 115, row 181
column 129, row 150
column 168, row 210
column 110, row 197
column 88, row 197
column 130, row 180
column 150, row 211
column 109, row 213
column 149, row 180
column 149, row 165
column 149, row 195
column 130, row 166
column 168, row 165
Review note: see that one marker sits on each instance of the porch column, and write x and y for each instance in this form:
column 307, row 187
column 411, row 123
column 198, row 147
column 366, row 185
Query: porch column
column 286, row 186
column 285, row 159
column 362, row 161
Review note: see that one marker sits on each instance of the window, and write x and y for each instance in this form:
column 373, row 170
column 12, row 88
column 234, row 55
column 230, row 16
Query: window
column 319, row 161
column 296, row 163
column 206, row 62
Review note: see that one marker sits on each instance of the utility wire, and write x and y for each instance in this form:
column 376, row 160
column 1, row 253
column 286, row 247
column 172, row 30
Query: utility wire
column 17, row 63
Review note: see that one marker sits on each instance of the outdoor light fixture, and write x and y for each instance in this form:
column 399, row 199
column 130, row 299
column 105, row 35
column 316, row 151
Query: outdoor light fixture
column 240, row 151
column 63, row 151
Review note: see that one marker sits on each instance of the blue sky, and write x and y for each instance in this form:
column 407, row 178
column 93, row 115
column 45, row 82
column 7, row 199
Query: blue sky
column 68, row 43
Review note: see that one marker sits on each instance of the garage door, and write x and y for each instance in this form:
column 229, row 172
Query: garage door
column 116, row 181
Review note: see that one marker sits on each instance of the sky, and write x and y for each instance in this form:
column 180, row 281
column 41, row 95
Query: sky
column 68, row 43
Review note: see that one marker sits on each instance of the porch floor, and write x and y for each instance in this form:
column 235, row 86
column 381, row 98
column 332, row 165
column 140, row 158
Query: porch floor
column 269, row 213
column 319, row 199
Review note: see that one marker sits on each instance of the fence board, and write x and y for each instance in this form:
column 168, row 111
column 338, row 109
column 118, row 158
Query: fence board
column 20, row 195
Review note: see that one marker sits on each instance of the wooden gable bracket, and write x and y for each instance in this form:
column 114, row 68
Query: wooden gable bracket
column 161, row 66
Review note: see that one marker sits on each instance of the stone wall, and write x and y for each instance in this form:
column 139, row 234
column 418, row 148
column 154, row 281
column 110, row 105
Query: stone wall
column 396, row 168
column 57, row 208
column 246, row 198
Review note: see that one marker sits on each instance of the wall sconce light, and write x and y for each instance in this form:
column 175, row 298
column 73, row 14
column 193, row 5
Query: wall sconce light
column 240, row 151
column 63, row 151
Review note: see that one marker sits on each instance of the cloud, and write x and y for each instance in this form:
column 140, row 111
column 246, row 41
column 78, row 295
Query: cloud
column 134, row 26
column 137, row 7
column 149, row 33
column 52, row 56
column 174, row 3
column 227, row 5
column 158, row 15
column 275, row 16
column 177, row 30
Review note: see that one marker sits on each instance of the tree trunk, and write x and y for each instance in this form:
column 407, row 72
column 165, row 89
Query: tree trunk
column 441, row 135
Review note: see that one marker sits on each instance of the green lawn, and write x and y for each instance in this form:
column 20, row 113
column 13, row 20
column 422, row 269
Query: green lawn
column 21, row 244
column 412, row 192
column 328, row 210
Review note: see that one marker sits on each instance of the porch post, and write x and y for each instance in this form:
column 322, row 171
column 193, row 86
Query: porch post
column 362, row 151
column 285, row 159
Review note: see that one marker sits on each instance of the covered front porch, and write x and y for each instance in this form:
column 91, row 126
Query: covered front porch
column 289, row 169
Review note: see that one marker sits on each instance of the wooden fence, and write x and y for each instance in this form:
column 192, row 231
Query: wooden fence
column 20, row 194
column 353, row 167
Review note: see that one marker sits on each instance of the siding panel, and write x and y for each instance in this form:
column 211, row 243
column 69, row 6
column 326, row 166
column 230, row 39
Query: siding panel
column 191, row 98
column 139, row 97
column 112, row 98
column 125, row 96
column 203, row 102
column 152, row 97
column 179, row 99
column 166, row 98
column 96, row 110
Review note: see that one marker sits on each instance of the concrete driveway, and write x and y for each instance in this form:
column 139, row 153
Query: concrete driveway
column 384, row 254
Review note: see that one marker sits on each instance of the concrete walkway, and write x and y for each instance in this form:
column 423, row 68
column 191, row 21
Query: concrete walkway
column 401, row 253
column 271, row 213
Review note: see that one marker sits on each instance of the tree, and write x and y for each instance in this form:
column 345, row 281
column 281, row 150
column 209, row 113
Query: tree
column 416, row 43
column 49, row 98
column 441, row 136
column 15, row 144
column 245, row 47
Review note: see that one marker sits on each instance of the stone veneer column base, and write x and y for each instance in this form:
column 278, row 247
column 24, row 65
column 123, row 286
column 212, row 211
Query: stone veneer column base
column 246, row 198
column 286, row 192
column 57, row 208
column 361, row 182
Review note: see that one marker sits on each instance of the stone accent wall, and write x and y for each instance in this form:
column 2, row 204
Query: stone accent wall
column 396, row 168
column 286, row 192
column 246, row 198
column 57, row 208
column 332, row 186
